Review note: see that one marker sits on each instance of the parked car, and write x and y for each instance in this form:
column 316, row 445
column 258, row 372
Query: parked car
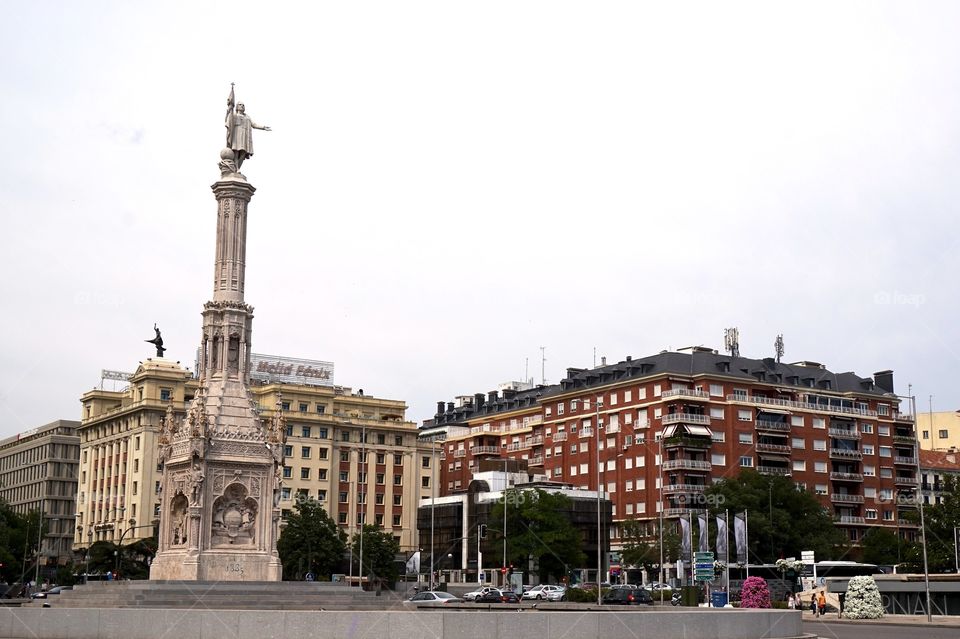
column 498, row 596
column 431, row 598
column 656, row 585
column 557, row 595
column 585, row 585
column 628, row 597
column 540, row 592
column 56, row 590
column 473, row 594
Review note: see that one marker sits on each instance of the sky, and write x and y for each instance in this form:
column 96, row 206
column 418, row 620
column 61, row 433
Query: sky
column 449, row 187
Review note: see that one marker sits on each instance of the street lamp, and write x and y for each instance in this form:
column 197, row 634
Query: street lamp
column 123, row 533
column 599, row 522
column 86, row 568
column 362, row 464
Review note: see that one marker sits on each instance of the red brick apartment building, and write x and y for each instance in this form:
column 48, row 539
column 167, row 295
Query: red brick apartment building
column 708, row 415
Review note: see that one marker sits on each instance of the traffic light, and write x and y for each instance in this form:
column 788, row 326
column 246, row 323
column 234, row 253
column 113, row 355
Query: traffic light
column 503, row 570
column 483, row 531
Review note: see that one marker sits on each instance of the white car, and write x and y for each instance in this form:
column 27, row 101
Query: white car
column 560, row 594
column 473, row 594
column 539, row 592
column 432, row 598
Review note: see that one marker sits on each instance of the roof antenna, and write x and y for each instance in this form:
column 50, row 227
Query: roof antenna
column 731, row 341
column 543, row 365
column 778, row 347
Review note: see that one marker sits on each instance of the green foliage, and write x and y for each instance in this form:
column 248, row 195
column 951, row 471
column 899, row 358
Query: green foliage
column 310, row 542
column 883, row 546
column 644, row 551
column 939, row 520
column 14, row 541
column 538, row 529
column 799, row 521
column 580, row 595
column 380, row 550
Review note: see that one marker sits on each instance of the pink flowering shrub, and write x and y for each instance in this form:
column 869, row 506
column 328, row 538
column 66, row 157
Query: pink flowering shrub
column 754, row 593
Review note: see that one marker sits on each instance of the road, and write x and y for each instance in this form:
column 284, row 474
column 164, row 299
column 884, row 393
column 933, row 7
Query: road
column 877, row 631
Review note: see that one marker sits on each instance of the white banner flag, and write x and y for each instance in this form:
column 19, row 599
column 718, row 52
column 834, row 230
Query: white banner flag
column 721, row 538
column 704, row 544
column 685, row 539
column 740, row 534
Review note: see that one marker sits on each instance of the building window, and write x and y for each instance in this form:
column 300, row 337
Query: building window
column 868, row 449
column 744, row 415
column 798, row 442
column 305, row 452
column 745, row 438
column 886, row 451
column 398, row 440
column 381, row 439
column 820, row 489
column 926, row 434
column 304, row 431
column 868, row 429
column 322, row 452
column 819, row 422
column 344, row 476
column 289, row 430
column 321, row 409
column 165, row 394
column 288, row 451
column 378, row 499
column 398, row 480
column 381, row 459
column 942, row 433
column 883, row 410
column 869, row 470
column 136, row 443
column 819, row 444
column 819, row 466
column 716, row 390
column 888, row 515
column 322, row 474
column 342, row 518
column 344, row 456
column 716, row 412
column 870, row 513
column 560, row 408
column 718, row 459
column 303, row 407
column 134, row 488
column 362, row 498
column 796, row 420
column 285, row 406
column 398, row 500
column 425, row 482
column 343, row 497
column 381, row 479
column 425, row 462
column 287, row 472
column 396, row 521
column 398, row 460
column 746, row 462
column 304, row 473
column 799, row 464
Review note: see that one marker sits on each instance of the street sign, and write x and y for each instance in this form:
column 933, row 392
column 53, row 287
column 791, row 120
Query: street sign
column 807, row 557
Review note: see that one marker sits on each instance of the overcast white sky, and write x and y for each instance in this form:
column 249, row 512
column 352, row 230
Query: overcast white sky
column 450, row 186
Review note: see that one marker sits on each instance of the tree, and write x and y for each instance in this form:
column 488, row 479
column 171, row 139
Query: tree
column 539, row 530
column 380, row 550
column 310, row 542
column 939, row 521
column 882, row 546
column 641, row 549
column 16, row 542
column 799, row 522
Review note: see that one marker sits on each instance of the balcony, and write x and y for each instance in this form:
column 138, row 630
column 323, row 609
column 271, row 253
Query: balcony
column 612, row 428
column 484, row 450
column 586, row 432
column 515, row 446
column 536, row 440
column 685, row 418
column 773, row 470
column 841, row 498
column 903, row 417
column 905, row 461
column 685, row 393
column 845, row 453
column 687, row 464
column 679, row 512
column 906, row 440
column 778, row 449
column 901, row 480
column 560, row 437
column 780, row 427
column 786, row 403
column 460, row 452
column 851, row 519
column 687, row 442
column 845, row 433
column 683, row 488
column 846, row 476
column 641, row 424
column 536, row 460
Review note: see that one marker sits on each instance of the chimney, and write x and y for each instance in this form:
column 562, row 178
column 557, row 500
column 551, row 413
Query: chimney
column 477, row 401
column 509, row 393
column 492, row 396
column 603, row 360
column 884, row 380
column 629, row 358
column 440, row 407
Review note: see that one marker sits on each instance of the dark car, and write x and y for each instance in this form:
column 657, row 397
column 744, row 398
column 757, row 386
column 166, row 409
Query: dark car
column 498, row 596
column 628, row 597
column 56, row 590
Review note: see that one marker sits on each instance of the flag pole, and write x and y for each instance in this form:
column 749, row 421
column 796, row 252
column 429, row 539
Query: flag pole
column 746, row 541
column 727, row 561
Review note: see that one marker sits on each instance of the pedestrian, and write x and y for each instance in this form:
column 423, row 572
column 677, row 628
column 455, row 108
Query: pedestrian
column 822, row 603
column 790, row 602
column 813, row 604
column 841, row 596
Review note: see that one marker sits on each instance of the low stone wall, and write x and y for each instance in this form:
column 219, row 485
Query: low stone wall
column 88, row 623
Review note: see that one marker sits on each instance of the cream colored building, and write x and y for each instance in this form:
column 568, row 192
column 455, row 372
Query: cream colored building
column 939, row 430
column 38, row 471
column 119, row 476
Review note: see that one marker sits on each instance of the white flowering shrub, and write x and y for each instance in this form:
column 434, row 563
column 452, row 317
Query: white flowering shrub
column 863, row 599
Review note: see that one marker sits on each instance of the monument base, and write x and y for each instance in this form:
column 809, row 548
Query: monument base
column 215, row 565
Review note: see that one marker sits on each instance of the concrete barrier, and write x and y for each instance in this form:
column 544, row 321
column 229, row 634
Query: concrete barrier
column 90, row 623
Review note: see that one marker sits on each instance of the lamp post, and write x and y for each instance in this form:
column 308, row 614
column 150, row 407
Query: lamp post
column 362, row 503
column 433, row 501
column 504, row 518
column 123, row 533
column 599, row 403
column 39, row 540
column 86, row 568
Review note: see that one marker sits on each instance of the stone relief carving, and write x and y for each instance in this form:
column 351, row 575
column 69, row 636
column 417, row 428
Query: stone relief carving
column 196, row 485
column 178, row 521
column 234, row 517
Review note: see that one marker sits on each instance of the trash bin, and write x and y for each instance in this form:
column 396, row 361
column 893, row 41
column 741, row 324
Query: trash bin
column 718, row 599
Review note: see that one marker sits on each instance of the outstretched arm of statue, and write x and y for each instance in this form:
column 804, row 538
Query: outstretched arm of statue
column 259, row 126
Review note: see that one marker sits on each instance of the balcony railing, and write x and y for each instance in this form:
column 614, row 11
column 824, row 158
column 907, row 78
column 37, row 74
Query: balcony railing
column 846, row 476
column 641, row 424
column 685, row 418
column 840, row 498
column 685, row 392
column 782, row 427
column 845, row 433
column 586, row 432
column 908, row 440
column 612, row 428
column 683, row 488
column 851, row 519
column 780, row 449
column 514, row 446
column 536, row 440
column 536, row 461
column 902, row 417
column 460, row 452
column 560, row 437
column 905, row 481
column 773, row 470
column 687, row 464
column 678, row 512
column 484, row 450
column 786, row 403
column 846, row 453
column 905, row 461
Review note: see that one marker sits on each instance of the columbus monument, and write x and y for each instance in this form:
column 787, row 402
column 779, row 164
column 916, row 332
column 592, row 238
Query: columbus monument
column 219, row 519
